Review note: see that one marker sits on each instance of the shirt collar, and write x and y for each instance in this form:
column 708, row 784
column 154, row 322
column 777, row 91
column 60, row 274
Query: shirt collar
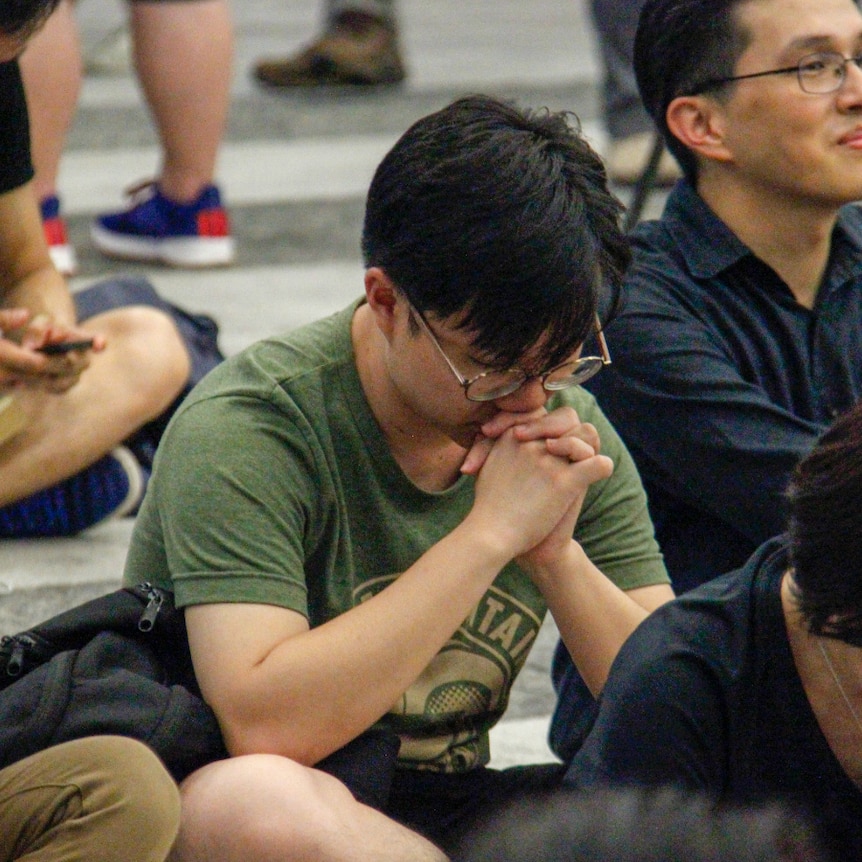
column 689, row 219
column 846, row 245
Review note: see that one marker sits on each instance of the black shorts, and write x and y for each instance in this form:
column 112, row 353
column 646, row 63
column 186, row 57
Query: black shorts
column 446, row 808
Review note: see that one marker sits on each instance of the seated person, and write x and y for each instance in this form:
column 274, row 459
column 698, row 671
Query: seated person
column 367, row 520
column 739, row 337
column 749, row 688
column 64, row 417
column 99, row 799
column 740, row 332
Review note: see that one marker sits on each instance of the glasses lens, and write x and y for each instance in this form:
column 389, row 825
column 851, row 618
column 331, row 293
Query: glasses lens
column 821, row 73
column 574, row 373
column 495, row 384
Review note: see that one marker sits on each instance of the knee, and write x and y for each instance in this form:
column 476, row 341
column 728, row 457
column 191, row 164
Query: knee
column 147, row 349
column 151, row 794
column 129, row 792
column 259, row 806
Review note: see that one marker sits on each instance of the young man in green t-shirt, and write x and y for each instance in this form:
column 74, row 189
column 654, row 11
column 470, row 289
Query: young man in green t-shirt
column 366, row 520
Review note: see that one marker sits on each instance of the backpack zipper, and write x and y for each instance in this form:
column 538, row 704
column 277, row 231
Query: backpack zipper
column 155, row 600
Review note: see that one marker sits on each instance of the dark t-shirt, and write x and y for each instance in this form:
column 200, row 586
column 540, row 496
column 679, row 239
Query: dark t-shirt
column 705, row 695
column 15, row 166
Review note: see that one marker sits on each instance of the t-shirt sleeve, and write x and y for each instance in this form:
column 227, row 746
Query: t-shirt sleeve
column 15, row 165
column 659, row 721
column 234, row 491
column 614, row 527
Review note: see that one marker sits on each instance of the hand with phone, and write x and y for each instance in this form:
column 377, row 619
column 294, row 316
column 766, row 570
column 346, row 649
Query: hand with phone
column 40, row 353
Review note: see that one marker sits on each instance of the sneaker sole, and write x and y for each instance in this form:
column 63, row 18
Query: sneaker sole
column 133, row 471
column 190, row 252
column 64, row 259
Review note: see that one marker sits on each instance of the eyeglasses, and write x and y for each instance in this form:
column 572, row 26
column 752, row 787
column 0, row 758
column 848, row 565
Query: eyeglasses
column 818, row 74
column 491, row 385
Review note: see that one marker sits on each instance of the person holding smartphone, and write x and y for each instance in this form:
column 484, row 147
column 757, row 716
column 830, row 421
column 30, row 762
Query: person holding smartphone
column 64, row 413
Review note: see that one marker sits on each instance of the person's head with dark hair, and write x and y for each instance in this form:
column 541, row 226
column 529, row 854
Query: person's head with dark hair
column 19, row 19
column 500, row 218
column 825, row 531
column 685, row 49
column 639, row 825
column 680, row 45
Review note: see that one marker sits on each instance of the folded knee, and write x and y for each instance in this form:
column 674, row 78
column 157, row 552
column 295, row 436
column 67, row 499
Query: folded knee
column 259, row 806
column 146, row 348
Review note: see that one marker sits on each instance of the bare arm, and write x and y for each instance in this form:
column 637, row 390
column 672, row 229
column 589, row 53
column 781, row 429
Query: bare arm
column 37, row 307
column 28, row 279
column 594, row 616
column 279, row 687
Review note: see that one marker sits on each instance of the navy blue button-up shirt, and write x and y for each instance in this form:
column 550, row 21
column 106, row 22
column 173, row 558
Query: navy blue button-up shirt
column 721, row 381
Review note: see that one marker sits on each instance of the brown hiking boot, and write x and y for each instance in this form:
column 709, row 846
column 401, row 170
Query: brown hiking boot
column 359, row 49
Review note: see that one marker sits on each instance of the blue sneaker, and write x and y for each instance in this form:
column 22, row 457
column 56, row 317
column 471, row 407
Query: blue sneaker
column 112, row 487
column 156, row 229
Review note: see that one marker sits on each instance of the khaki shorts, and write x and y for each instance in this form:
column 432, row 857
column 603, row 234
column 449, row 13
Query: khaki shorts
column 96, row 799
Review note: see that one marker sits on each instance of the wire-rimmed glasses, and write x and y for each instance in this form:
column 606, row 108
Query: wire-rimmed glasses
column 491, row 385
column 818, row 74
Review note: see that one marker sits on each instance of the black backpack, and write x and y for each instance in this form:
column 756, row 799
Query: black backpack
column 119, row 664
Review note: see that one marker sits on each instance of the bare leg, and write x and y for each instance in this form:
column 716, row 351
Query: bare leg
column 137, row 376
column 51, row 69
column 271, row 809
column 183, row 54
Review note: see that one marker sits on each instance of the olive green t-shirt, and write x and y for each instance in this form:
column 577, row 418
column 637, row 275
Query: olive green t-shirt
column 274, row 484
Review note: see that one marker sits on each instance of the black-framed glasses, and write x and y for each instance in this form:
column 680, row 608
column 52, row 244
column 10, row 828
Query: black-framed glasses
column 491, row 385
column 818, row 74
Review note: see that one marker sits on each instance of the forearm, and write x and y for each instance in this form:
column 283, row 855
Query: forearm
column 42, row 292
column 28, row 279
column 593, row 615
column 317, row 690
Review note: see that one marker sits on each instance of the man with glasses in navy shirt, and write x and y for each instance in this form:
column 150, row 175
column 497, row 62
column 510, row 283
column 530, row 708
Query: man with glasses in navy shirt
column 740, row 332
column 740, row 337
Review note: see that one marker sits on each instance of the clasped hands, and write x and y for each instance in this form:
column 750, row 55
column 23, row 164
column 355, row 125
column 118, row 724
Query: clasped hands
column 533, row 471
column 23, row 366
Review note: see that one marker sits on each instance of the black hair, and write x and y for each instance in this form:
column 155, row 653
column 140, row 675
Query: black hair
column 503, row 216
column 680, row 45
column 639, row 825
column 21, row 18
column 825, row 531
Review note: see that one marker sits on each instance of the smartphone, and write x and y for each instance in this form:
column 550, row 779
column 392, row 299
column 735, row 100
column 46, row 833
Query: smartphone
column 57, row 348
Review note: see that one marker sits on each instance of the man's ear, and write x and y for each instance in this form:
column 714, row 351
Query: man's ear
column 699, row 123
column 383, row 299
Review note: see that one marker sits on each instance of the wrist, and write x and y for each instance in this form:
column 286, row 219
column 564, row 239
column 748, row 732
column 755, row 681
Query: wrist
column 489, row 542
column 569, row 559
